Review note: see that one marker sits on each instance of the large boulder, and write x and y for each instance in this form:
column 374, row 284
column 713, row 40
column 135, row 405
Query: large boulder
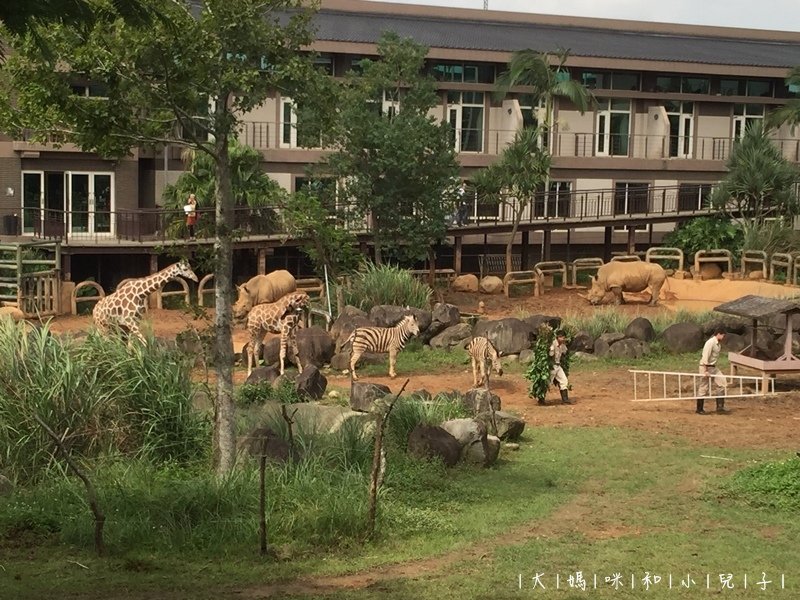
column 265, row 442
column 730, row 323
column 603, row 344
column 781, row 341
column 315, row 346
column 478, row 400
column 446, row 314
column 429, row 441
column 582, row 342
column 11, row 312
column 629, row 348
column 485, row 454
column 452, row 336
column 315, row 417
column 640, row 329
column 683, row 337
column 271, row 353
column 491, row 284
column 349, row 319
column 363, row 394
column 536, row 321
column 710, row 271
column 266, row 374
column 311, row 383
column 386, row 315
column 733, row 342
column 471, row 437
column 509, row 427
column 466, row 283
column 341, row 360
column 509, row 335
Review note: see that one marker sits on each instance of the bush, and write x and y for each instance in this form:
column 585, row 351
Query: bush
column 385, row 284
column 706, row 233
column 771, row 485
column 263, row 391
column 410, row 411
column 102, row 395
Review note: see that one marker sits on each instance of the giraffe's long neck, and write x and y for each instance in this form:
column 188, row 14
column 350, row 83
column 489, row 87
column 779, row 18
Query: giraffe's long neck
column 156, row 280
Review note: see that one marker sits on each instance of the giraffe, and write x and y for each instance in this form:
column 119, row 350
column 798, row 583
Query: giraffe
column 125, row 307
column 281, row 317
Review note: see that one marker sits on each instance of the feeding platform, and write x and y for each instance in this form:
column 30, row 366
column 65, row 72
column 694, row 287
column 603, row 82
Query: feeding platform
column 757, row 309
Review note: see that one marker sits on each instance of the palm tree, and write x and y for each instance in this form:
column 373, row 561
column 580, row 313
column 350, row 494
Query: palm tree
column 548, row 77
column 789, row 113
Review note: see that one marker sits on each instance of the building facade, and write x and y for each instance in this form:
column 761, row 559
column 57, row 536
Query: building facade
column 672, row 101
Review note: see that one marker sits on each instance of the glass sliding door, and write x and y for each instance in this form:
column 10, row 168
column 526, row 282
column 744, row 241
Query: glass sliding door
column 78, row 202
column 101, row 203
column 32, row 200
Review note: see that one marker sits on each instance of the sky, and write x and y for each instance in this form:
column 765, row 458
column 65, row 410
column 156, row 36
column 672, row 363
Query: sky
column 783, row 15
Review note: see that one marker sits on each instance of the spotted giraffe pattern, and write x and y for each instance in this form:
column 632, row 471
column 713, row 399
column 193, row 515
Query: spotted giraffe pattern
column 123, row 310
column 280, row 317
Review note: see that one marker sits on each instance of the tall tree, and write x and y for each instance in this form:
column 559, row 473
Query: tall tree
column 760, row 187
column 515, row 178
column 187, row 78
column 789, row 113
column 546, row 77
column 394, row 162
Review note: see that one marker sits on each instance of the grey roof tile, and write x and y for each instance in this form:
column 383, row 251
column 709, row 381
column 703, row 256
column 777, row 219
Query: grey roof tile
column 500, row 36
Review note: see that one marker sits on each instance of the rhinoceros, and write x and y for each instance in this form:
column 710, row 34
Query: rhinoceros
column 263, row 289
column 617, row 277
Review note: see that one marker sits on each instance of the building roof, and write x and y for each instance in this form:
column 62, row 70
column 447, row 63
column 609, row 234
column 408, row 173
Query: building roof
column 487, row 31
column 757, row 307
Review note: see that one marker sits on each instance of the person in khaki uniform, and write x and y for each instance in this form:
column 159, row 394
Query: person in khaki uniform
column 712, row 377
column 558, row 349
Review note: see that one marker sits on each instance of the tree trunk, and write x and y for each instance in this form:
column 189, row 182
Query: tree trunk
column 512, row 235
column 225, row 425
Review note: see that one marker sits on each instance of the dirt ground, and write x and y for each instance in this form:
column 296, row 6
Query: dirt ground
column 602, row 396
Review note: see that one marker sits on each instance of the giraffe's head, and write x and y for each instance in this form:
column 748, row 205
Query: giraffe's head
column 183, row 269
column 297, row 301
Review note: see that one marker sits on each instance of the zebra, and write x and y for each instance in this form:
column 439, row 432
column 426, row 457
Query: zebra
column 381, row 339
column 481, row 351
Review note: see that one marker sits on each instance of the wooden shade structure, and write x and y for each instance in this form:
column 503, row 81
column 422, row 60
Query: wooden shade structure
column 758, row 308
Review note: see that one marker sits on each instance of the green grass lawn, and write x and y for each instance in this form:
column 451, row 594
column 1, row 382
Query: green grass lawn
column 598, row 501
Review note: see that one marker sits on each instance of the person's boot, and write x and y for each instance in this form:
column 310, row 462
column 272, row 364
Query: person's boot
column 721, row 406
column 700, row 403
column 565, row 397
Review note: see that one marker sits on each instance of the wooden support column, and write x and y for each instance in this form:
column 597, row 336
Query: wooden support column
column 66, row 267
column 631, row 240
column 262, row 261
column 569, row 244
column 525, row 254
column 457, row 257
column 546, row 243
column 607, row 244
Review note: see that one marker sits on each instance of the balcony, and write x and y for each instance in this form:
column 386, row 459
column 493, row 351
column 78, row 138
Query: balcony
column 156, row 227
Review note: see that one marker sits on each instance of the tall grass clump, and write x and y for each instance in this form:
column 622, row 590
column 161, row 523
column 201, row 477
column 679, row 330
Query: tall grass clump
column 410, row 411
column 101, row 396
column 604, row 320
column 376, row 285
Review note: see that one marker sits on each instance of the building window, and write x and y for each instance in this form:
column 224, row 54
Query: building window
column 293, row 134
column 324, row 63
column 598, row 80
column 555, row 203
column 746, row 87
column 681, row 128
column 631, row 198
column 745, row 116
column 55, row 201
column 90, row 90
column 693, row 196
column 459, row 72
column 668, row 84
column 613, row 127
column 695, row 85
column 465, row 115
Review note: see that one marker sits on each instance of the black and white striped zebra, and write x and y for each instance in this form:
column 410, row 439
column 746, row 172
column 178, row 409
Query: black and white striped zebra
column 381, row 339
column 482, row 351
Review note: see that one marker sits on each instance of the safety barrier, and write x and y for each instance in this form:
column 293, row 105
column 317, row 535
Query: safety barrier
column 495, row 264
column 718, row 255
column 184, row 291
column 202, row 290
column 550, row 268
column 75, row 299
column 756, row 258
column 517, row 278
column 784, row 261
column 665, row 253
column 583, row 264
column 626, row 258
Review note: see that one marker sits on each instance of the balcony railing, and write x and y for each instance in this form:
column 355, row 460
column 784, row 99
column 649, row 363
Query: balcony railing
column 263, row 135
column 575, row 209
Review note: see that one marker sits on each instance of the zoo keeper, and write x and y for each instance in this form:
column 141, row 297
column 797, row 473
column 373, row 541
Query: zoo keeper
column 558, row 349
column 711, row 374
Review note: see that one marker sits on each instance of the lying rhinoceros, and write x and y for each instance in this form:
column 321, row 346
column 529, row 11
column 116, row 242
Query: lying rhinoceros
column 617, row 277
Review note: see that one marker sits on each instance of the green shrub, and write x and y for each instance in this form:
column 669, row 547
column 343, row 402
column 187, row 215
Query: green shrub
column 771, row 485
column 385, row 284
column 263, row 391
column 100, row 394
column 706, row 233
column 410, row 411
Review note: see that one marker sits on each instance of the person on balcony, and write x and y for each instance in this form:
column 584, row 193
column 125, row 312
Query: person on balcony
column 191, row 215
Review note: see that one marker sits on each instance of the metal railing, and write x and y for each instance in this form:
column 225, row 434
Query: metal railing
column 161, row 224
